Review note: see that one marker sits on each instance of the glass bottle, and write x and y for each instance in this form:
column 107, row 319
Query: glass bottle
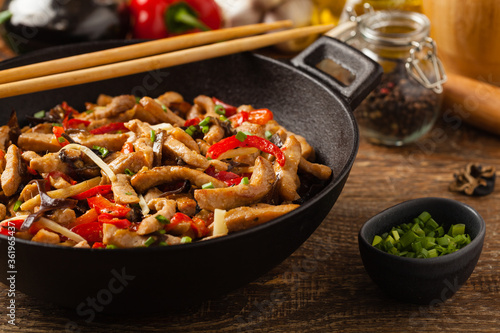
column 406, row 103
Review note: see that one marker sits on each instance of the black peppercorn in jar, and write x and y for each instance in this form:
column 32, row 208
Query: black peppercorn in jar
column 406, row 103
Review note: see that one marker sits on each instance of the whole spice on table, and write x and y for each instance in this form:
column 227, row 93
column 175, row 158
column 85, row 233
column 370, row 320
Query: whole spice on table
column 475, row 180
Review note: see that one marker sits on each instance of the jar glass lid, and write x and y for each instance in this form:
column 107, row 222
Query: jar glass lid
column 393, row 27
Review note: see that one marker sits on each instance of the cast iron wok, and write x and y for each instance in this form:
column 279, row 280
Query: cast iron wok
column 303, row 99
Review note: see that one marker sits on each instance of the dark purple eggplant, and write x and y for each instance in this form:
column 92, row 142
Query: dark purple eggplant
column 34, row 24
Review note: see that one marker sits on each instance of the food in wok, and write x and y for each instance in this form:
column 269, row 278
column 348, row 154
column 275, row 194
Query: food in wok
column 129, row 172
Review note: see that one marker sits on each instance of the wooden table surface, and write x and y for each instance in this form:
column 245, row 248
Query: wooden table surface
column 323, row 286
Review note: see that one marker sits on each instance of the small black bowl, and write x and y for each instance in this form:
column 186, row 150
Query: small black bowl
column 417, row 280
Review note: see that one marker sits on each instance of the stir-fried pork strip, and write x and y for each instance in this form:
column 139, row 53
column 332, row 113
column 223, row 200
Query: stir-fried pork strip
column 185, row 138
column 48, row 163
column 170, row 97
column 260, row 184
column 45, row 236
column 3, row 211
column 112, row 142
column 165, row 208
column 133, row 162
column 162, row 114
column 123, row 192
column 246, row 217
column 39, row 142
column 11, row 176
column 170, row 174
column 117, row 105
column 319, row 171
column 4, row 137
column 121, row 237
column 288, row 180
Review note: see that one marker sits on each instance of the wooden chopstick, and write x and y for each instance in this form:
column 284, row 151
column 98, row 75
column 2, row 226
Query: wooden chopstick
column 135, row 51
column 156, row 62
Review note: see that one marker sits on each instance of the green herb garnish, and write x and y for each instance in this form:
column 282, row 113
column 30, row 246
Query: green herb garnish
column 186, row 239
column 17, row 205
column 241, row 136
column 422, row 238
column 102, row 150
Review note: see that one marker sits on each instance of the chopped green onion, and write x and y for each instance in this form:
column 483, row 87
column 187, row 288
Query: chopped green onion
column 205, row 121
column 162, row 231
column 57, row 124
column 219, row 109
column 186, row 239
column 162, row 219
column 245, row 181
column 207, row 186
column 39, row 114
column 223, row 118
column 61, row 139
column 149, row 241
column 89, row 111
column 128, row 193
column 102, row 150
column 422, row 238
column 164, row 108
column 163, row 244
column 268, row 135
column 153, row 136
column 241, row 136
column 129, row 172
column 17, row 205
column 111, row 246
column 205, row 129
column 191, row 130
column 137, row 99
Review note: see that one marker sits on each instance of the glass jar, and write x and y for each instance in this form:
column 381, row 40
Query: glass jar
column 406, row 103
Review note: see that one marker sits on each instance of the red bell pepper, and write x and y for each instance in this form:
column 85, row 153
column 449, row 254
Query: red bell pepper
column 113, row 127
column 192, row 122
column 127, row 148
column 104, row 206
column 198, row 225
column 230, row 110
column 100, row 189
column 98, row 245
column 57, row 174
column 92, row 231
column 58, row 131
column 233, row 142
column 162, row 18
column 68, row 109
column 4, row 227
column 259, row 117
column 110, row 219
column 230, row 178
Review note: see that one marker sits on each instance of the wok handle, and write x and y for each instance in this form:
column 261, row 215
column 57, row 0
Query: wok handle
column 362, row 73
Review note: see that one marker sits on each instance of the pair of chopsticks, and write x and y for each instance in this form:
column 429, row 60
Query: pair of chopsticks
column 146, row 56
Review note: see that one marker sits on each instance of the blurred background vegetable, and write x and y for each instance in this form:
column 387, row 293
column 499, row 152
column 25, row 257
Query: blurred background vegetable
column 35, row 24
column 154, row 19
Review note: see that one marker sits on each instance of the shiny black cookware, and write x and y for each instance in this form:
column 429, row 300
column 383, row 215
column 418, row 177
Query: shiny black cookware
column 303, row 98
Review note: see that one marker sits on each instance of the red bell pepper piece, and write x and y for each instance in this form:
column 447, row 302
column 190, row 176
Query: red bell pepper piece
column 4, row 227
column 199, row 227
column 89, row 216
column 58, row 131
column 104, row 206
column 230, row 110
column 92, row 231
column 230, row 178
column 98, row 245
column 113, row 127
column 68, row 109
column 57, row 174
column 162, row 18
column 127, row 148
column 232, row 142
column 258, row 116
column 110, row 219
column 192, row 122
column 73, row 123
column 100, row 189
